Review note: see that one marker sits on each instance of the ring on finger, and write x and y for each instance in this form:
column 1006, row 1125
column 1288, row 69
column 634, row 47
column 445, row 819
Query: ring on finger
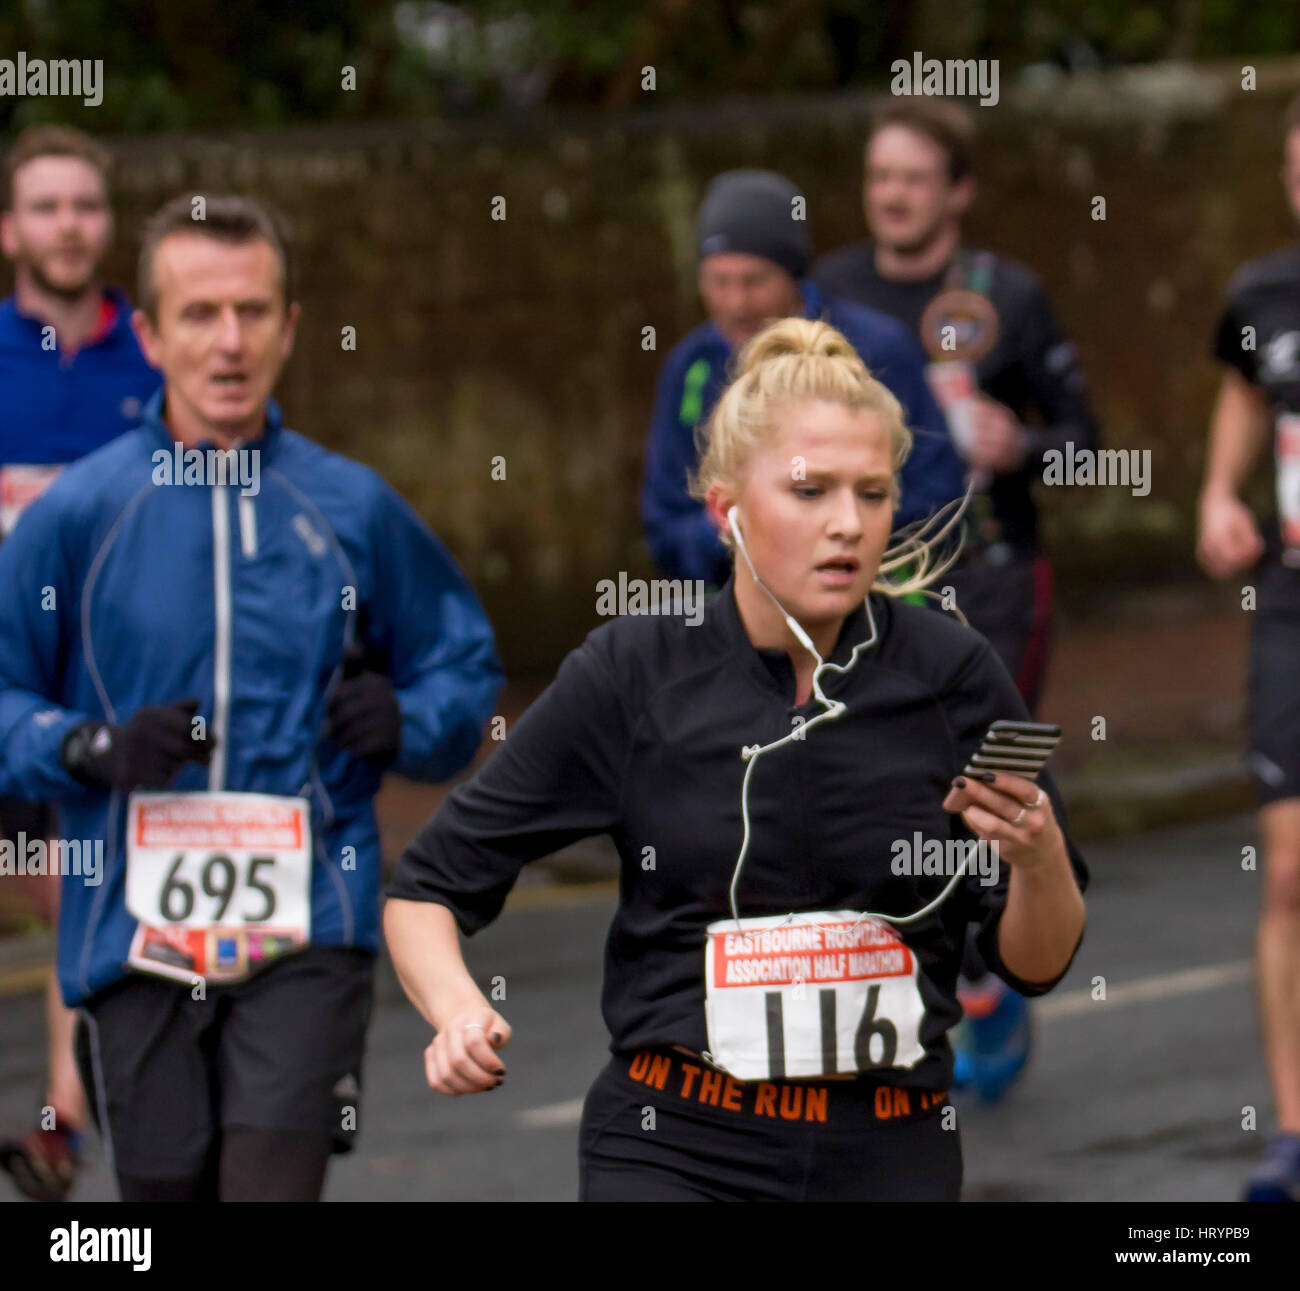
column 471, row 1026
column 1020, row 817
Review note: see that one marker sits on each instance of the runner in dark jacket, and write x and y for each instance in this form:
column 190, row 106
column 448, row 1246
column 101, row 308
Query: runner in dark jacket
column 1033, row 398
column 777, row 781
column 1258, row 412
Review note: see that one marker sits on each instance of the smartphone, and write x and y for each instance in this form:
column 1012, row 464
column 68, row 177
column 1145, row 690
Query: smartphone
column 1018, row 748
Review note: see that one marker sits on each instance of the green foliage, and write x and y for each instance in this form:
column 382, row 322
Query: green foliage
column 249, row 63
column 241, row 63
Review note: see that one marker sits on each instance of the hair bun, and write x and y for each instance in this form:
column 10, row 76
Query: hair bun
column 795, row 337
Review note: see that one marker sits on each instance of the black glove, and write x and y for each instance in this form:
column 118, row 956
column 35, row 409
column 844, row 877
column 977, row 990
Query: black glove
column 144, row 753
column 363, row 714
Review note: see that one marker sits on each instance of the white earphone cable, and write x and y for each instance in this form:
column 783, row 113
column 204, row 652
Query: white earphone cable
column 834, row 709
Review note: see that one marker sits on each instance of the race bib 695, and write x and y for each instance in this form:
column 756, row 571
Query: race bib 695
column 219, row 882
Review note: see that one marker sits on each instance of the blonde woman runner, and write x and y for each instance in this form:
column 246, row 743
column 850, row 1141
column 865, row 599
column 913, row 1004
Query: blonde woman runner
column 783, row 784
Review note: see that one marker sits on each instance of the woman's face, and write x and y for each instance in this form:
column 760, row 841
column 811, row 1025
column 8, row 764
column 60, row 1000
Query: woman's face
column 816, row 509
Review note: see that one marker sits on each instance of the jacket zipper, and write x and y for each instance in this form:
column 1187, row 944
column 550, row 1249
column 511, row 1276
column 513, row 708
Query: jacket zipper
column 222, row 574
column 247, row 527
column 222, row 643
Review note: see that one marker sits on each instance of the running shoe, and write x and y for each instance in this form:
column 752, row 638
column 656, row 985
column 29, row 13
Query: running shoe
column 44, row 1165
column 993, row 1042
column 1278, row 1176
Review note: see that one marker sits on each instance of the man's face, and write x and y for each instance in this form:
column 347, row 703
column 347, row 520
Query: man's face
column 907, row 196
column 222, row 333
column 743, row 293
column 1291, row 172
column 816, row 536
column 59, row 225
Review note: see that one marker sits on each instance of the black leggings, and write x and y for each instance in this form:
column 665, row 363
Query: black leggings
column 657, row 1126
column 252, row 1165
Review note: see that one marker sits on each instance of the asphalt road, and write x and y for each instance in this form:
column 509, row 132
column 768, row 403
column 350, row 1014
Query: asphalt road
column 1139, row 1096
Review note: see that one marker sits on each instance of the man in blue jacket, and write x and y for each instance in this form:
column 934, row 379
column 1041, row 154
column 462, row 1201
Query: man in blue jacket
column 754, row 250
column 214, row 607
column 72, row 377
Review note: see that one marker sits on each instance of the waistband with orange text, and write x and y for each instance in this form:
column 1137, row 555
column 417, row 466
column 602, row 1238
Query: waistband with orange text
column 778, row 1100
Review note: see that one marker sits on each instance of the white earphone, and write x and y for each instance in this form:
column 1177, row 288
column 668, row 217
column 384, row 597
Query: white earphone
column 834, row 709
column 733, row 519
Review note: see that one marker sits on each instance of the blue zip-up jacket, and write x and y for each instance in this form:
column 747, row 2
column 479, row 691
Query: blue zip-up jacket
column 55, row 409
column 119, row 592
column 681, row 536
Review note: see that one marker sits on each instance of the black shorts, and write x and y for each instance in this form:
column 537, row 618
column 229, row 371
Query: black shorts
column 1273, row 711
column 165, row 1073
column 31, row 819
column 658, row 1126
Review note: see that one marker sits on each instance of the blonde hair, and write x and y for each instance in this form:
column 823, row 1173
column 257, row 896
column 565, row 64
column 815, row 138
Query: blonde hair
column 795, row 360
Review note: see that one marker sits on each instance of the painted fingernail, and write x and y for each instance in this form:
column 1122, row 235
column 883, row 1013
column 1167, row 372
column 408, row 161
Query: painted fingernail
column 496, row 1037
column 959, row 783
column 499, row 1083
column 987, row 776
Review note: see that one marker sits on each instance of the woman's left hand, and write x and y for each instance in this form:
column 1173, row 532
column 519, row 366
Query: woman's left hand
column 1011, row 811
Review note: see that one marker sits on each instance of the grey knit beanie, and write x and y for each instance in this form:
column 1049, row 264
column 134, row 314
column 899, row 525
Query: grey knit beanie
column 753, row 211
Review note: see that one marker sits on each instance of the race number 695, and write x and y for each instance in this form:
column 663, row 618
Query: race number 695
column 220, row 880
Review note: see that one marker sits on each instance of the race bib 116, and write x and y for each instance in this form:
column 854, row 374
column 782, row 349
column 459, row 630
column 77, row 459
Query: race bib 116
column 810, row 995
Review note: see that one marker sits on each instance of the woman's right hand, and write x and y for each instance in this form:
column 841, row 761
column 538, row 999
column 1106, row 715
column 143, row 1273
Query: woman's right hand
column 462, row 1058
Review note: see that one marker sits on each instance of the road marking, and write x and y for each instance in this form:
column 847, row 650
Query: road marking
column 1165, row 986
column 567, row 1113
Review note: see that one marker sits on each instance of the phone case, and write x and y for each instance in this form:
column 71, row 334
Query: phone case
column 1027, row 728
column 1018, row 748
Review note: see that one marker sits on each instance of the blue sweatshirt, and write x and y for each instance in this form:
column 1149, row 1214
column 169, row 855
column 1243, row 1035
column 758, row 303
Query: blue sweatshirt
column 55, row 409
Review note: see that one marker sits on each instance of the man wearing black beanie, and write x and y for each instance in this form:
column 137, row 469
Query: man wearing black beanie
column 754, row 250
column 755, row 212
